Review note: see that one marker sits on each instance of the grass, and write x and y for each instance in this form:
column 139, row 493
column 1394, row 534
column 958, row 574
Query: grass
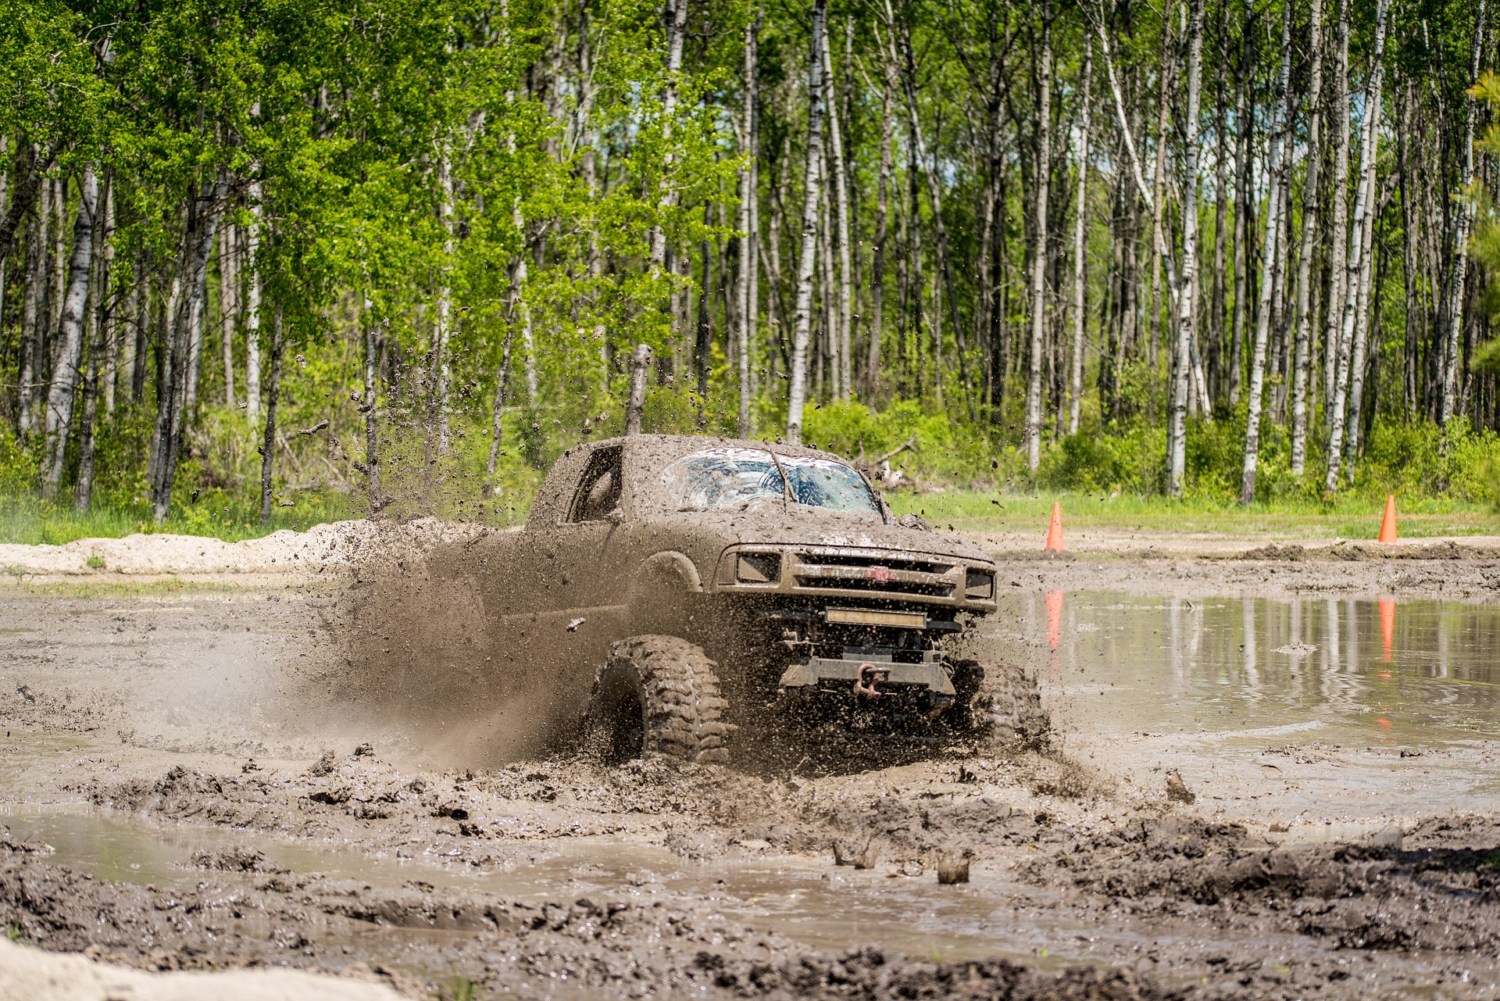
column 1346, row 517
column 28, row 520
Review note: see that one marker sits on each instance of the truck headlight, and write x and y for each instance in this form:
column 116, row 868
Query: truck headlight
column 979, row 585
column 757, row 568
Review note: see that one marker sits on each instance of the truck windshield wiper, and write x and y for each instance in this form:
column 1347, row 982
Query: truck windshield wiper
column 786, row 483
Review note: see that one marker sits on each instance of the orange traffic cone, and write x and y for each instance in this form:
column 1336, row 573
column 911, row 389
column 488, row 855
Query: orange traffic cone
column 1388, row 523
column 1054, row 530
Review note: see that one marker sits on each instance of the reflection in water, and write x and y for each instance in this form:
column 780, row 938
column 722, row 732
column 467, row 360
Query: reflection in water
column 1387, row 627
column 1229, row 664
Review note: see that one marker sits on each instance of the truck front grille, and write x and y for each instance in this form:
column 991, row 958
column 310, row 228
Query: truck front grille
column 876, row 575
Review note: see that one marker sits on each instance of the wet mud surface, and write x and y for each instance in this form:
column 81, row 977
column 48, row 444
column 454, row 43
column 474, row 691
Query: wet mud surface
column 1313, row 816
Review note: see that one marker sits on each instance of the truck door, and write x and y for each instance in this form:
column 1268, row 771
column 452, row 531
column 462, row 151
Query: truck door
column 583, row 542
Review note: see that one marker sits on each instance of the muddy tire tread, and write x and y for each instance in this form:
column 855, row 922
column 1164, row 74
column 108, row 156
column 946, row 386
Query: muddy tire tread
column 679, row 688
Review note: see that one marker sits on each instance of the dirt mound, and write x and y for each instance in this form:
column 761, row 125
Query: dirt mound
column 29, row 974
column 335, row 545
column 1290, row 553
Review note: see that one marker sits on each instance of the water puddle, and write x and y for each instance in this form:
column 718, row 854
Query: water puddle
column 804, row 899
column 1363, row 705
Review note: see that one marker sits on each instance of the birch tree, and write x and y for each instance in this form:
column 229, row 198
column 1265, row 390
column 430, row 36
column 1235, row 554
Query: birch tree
column 1303, row 338
column 802, row 317
column 1270, row 263
column 1039, row 246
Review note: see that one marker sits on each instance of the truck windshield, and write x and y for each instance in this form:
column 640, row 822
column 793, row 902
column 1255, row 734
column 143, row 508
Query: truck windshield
column 730, row 477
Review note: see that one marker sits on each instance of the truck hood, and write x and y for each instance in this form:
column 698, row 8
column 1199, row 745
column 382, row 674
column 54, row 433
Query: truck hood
column 802, row 526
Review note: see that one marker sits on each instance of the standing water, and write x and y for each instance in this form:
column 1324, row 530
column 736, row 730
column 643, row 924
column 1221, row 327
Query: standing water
column 1376, row 692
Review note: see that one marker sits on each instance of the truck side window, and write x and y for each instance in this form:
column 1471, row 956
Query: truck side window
column 599, row 490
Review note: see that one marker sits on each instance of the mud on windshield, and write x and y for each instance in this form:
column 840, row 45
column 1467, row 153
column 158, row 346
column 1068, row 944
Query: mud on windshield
column 730, row 478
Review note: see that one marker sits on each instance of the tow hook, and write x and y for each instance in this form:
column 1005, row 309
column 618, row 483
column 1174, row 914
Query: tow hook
column 864, row 683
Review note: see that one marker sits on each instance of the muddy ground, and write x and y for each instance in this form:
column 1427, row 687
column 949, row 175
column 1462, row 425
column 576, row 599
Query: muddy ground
column 184, row 790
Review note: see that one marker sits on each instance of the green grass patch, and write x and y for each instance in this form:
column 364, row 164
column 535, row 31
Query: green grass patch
column 27, row 519
column 1291, row 519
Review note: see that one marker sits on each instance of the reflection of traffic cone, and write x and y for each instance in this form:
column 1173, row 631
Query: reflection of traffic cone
column 1054, row 618
column 1054, row 530
column 1388, row 523
column 1387, row 627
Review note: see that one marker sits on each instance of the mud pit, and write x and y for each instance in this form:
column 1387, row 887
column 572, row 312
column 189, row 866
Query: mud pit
column 178, row 796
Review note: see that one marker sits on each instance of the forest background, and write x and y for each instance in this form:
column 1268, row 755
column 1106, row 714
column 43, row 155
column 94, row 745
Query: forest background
column 270, row 262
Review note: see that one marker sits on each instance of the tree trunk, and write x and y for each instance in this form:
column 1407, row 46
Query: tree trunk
column 84, row 486
column 26, row 185
column 877, row 268
column 268, row 441
column 1455, row 305
column 1334, row 350
column 1302, row 352
column 1362, row 263
column 57, row 420
column 252, row 307
column 1244, row 124
column 33, row 339
column 1166, row 72
column 802, row 321
column 1187, row 313
column 138, row 353
column 676, row 23
column 1039, row 247
column 198, row 310
column 1270, row 263
column 1352, row 350
column 749, row 305
column 227, row 308
column 437, row 406
column 171, row 389
column 1080, row 225
column 1216, row 375
column 843, row 328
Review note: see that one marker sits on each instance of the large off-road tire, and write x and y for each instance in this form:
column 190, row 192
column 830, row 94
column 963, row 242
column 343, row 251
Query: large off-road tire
column 657, row 694
column 999, row 706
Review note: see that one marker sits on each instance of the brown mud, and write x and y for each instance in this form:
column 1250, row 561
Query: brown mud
column 197, row 781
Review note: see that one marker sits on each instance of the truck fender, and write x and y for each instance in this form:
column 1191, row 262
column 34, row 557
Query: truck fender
column 671, row 569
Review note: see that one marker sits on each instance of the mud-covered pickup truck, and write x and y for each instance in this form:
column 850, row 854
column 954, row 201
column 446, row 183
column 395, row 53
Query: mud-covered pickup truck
column 694, row 585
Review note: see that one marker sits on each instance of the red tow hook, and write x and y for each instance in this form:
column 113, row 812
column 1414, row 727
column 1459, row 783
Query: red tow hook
column 866, row 688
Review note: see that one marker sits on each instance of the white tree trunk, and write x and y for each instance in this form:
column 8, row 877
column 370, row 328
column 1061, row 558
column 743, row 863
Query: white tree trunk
column 676, row 28
column 57, row 418
column 1039, row 249
column 1187, row 314
column 227, row 306
column 1345, row 433
column 1270, row 265
column 1455, row 310
column 1334, row 350
column 252, row 307
column 802, row 320
column 1302, row 350
column 748, row 306
column 1080, row 226
column 841, row 332
column 442, row 325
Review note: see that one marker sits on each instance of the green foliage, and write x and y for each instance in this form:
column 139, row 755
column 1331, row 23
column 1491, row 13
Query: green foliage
column 939, row 450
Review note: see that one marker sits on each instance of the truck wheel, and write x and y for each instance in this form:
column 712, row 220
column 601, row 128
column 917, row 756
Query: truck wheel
column 657, row 693
column 1000, row 705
